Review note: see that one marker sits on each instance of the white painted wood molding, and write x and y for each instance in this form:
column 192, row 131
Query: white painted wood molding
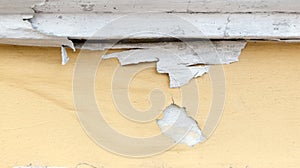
column 55, row 29
column 51, row 23
column 161, row 6
column 165, row 25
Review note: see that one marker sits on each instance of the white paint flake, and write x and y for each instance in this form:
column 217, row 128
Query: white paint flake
column 64, row 56
column 183, row 61
column 176, row 124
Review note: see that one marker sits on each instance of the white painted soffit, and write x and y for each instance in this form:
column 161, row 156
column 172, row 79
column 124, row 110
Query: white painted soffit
column 133, row 6
column 51, row 23
column 55, row 29
column 160, row 25
column 19, row 6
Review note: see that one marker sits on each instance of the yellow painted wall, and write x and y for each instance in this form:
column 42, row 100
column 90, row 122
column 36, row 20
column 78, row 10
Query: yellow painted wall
column 259, row 128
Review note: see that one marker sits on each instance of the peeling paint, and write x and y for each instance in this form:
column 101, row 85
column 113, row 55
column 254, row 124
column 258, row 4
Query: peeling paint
column 176, row 124
column 181, row 60
column 64, row 56
column 16, row 30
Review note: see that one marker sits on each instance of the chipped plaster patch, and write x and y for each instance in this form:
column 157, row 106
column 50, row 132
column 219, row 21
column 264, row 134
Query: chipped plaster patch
column 176, row 124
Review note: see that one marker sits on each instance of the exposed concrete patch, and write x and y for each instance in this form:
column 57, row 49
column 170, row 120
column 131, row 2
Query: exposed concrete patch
column 176, row 124
column 183, row 61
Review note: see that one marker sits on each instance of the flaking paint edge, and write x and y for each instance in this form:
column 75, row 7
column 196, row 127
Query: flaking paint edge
column 183, row 61
column 181, row 128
